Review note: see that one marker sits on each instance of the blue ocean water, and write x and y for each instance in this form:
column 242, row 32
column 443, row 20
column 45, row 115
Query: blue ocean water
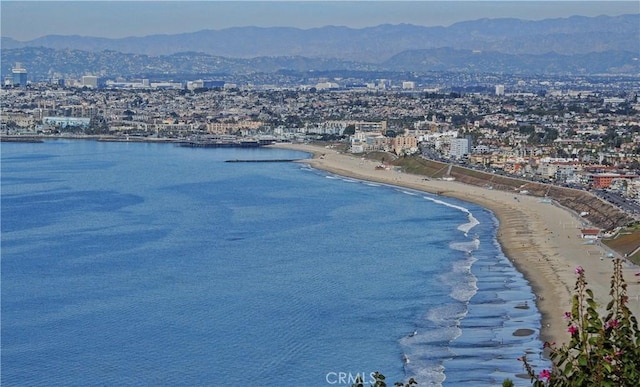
column 152, row 264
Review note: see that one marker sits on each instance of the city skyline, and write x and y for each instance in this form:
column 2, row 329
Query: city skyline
column 142, row 18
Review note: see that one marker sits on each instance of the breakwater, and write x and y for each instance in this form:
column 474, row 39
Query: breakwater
column 20, row 139
column 262, row 161
column 224, row 144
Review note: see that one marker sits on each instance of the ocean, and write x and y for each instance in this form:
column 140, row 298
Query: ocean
column 152, row 264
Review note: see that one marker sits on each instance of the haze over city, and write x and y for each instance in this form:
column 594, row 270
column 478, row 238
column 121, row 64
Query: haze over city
column 25, row 20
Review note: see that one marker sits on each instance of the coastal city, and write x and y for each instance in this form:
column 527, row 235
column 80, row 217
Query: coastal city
column 321, row 193
column 569, row 132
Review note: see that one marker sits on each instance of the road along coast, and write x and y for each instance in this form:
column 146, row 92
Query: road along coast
column 541, row 238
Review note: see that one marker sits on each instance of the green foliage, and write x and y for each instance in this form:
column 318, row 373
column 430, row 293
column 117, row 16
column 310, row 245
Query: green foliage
column 349, row 130
column 507, row 383
column 379, row 381
column 603, row 350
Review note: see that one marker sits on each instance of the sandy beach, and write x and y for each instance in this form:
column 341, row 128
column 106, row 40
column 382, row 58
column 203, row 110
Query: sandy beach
column 542, row 239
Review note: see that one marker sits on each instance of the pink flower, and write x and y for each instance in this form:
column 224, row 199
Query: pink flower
column 579, row 270
column 567, row 315
column 608, row 359
column 572, row 329
column 612, row 324
column 545, row 374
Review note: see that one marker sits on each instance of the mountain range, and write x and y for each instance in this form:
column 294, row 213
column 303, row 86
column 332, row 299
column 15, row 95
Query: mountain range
column 603, row 44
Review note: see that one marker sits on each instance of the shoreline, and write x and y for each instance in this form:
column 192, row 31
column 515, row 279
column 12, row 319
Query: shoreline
column 541, row 239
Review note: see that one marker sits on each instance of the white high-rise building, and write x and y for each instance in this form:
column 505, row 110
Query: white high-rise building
column 90, row 81
column 408, row 85
column 459, row 147
column 499, row 89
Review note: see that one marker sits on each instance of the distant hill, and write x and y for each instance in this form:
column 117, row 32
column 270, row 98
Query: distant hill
column 573, row 35
column 575, row 45
column 43, row 63
column 46, row 63
column 447, row 59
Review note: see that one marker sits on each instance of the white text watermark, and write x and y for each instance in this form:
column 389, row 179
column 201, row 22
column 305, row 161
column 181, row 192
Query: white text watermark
column 349, row 378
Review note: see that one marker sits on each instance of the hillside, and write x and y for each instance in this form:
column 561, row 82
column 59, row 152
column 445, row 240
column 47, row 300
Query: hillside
column 600, row 213
column 568, row 36
column 47, row 63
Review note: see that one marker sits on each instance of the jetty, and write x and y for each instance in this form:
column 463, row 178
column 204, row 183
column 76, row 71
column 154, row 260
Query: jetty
column 4, row 138
column 221, row 144
column 262, row 161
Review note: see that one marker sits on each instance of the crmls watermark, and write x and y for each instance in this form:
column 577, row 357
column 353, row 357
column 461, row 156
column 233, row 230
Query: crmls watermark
column 349, row 378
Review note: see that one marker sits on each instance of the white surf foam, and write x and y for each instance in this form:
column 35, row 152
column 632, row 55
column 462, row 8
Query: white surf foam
column 466, row 227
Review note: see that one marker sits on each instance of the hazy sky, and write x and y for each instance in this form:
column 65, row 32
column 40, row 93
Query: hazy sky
column 25, row 20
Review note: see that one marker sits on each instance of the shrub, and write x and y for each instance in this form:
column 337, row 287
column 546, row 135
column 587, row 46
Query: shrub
column 379, row 381
column 602, row 351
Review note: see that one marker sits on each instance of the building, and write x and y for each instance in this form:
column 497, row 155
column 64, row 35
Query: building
column 404, row 145
column 327, row 86
column 211, row 84
column 144, row 84
column 232, row 127
column 66, row 122
column 166, row 85
column 590, row 233
column 19, row 76
column 603, row 180
column 614, row 100
column 408, row 85
column 90, row 81
column 459, row 147
column 364, row 126
column 368, row 141
column 207, row 84
column 499, row 89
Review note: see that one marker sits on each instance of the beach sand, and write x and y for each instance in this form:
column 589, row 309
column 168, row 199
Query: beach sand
column 542, row 239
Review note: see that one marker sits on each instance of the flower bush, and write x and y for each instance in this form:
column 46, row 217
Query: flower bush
column 603, row 351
